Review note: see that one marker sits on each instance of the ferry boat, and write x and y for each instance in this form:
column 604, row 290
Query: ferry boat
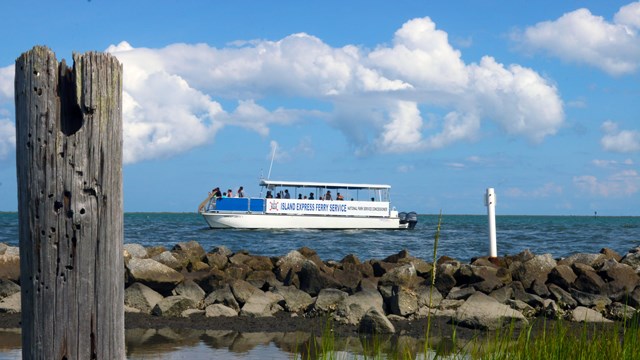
column 308, row 205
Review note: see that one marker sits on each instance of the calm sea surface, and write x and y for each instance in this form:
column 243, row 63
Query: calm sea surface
column 462, row 236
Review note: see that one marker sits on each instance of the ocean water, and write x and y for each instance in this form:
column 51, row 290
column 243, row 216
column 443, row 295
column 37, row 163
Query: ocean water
column 462, row 236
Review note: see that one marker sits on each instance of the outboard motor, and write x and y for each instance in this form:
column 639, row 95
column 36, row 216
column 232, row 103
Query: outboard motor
column 403, row 218
column 412, row 219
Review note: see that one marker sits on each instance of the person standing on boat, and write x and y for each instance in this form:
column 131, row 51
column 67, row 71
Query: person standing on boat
column 300, row 196
column 216, row 193
column 229, row 193
column 269, row 196
column 339, row 197
column 328, row 196
column 286, row 194
column 240, row 193
column 311, row 196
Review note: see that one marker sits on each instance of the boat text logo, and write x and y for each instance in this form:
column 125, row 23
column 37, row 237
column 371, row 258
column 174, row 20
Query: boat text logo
column 273, row 205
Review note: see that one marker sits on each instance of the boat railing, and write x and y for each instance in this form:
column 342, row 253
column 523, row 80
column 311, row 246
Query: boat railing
column 236, row 204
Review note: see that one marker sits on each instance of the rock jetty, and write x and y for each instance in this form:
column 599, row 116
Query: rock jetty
column 370, row 294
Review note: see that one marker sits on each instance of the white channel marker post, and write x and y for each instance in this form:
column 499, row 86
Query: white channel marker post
column 490, row 202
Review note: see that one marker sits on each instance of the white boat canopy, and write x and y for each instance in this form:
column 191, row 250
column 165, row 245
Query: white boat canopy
column 325, row 185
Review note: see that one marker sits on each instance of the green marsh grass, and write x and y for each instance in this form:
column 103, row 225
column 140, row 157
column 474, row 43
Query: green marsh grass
column 541, row 339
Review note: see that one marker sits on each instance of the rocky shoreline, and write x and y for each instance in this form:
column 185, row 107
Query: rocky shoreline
column 190, row 285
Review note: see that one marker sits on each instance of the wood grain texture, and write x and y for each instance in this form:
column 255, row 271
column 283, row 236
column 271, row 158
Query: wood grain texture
column 69, row 169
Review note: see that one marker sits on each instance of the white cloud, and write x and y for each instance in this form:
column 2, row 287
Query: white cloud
column 581, row 37
column 7, row 138
column 380, row 98
column 620, row 184
column 6, row 83
column 623, row 141
column 404, row 168
column 611, row 163
column 547, row 190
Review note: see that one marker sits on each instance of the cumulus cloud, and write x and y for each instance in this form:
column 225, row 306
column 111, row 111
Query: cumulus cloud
column 622, row 141
column 180, row 96
column 623, row 183
column 6, row 83
column 582, row 37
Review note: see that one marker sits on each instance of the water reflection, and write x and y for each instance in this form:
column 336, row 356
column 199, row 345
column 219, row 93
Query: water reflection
column 169, row 343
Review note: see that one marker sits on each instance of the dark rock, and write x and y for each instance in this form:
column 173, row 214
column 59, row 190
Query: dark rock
column 351, row 309
column 10, row 266
column 621, row 312
column 350, row 259
column 597, row 301
column 239, row 258
column 520, row 294
column 502, row 294
column 395, row 258
column 620, row 278
column 564, row 298
column 153, row 274
column 141, row 297
column 155, row 250
column 216, row 260
column 190, row 290
column 588, row 280
column 312, row 280
column 539, row 288
column 382, row 267
column 348, row 280
column 632, row 259
column 173, row 306
column 563, row 276
column 237, row 271
column 263, row 280
column 428, row 296
column 191, row 249
column 633, row 299
column 292, row 261
column 461, row 293
column 213, row 280
column 223, row 296
column 610, row 254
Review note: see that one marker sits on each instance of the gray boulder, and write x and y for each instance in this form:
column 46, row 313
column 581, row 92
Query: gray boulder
column 403, row 301
column 312, row 279
column 619, row 311
column 588, row 280
column 217, row 260
column 295, row 300
column 11, row 304
column 261, row 304
column 153, row 274
column 481, row 311
column 374, row 322
column 10, row 265
column 223, row 296
column 592, row 260
column 290, row 262
column 621, row 278
column 428, row 296
column 242, row 290
column 403, row 276
column 632, row 259
column 218, row 310
column 537, row 268
column 173, row 306
column 191, row 250
column 583, row 314
column 141, row 297
column 328, row 299
column 191, row 290
column 167, row 258
column 597, row 301
column 136, row 251
column 8, row 287
column 351, row 309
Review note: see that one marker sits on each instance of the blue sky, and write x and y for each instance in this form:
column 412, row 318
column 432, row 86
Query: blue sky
column 538, row 99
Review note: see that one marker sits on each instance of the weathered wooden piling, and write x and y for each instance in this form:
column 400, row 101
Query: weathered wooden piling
column 69, row 169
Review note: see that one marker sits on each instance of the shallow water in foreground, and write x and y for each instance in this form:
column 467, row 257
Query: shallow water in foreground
column 219, row 344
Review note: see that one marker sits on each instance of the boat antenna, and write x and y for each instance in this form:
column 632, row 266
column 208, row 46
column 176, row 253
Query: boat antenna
column 275, row 146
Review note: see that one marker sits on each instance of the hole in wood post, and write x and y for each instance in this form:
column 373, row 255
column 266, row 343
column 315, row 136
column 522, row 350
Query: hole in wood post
column 82, row 211
column 71, row 119
column 57, row 206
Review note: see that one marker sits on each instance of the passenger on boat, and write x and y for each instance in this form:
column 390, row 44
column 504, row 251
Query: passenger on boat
column 240, row 192
column 286, row 194
column 373, row 199
column 229, row 193
column 339, row 197
column 328, row 196
column 269, row 196
column 278, row 196
column 300, row 197
column 311, row 196
column 216, row 193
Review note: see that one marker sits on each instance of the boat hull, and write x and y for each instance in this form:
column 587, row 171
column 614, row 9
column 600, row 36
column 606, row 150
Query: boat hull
column 280, row 221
